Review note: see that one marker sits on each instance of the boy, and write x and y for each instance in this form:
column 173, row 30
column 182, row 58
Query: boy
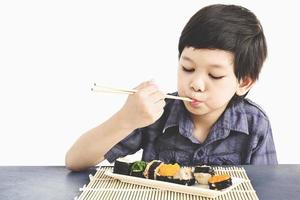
column 221, row 51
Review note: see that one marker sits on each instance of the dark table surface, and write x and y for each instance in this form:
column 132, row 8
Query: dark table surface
column 280, row 182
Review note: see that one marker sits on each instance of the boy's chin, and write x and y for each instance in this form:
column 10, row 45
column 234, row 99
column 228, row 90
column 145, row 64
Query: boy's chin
column 197, row 113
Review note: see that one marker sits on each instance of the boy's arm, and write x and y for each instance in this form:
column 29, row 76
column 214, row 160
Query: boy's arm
column 141, row 109
column 90, row 148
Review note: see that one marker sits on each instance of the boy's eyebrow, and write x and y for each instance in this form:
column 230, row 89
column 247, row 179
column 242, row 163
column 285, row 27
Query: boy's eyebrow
column 188, row 59
column 191, row 60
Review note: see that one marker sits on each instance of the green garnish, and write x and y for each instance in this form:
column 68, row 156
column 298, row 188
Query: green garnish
column 138, row 166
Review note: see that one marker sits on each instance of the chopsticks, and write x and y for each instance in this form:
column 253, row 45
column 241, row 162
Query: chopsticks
column 106, row 89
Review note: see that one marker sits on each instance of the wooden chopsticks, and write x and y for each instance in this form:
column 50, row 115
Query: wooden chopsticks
column 106, row 89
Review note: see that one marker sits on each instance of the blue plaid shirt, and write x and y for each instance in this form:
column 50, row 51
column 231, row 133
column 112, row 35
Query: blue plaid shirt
column 242, row 135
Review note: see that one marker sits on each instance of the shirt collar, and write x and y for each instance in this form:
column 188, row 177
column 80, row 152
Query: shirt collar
column 174, row 115
column 233, row 119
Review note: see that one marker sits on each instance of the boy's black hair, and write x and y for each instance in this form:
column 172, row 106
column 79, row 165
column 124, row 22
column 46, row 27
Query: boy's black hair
column 231, row 28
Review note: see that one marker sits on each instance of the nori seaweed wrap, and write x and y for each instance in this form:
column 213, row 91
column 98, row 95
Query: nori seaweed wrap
column 122, row 167
column 151, row 169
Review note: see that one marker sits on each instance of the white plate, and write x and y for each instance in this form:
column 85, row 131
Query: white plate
column 197, row 189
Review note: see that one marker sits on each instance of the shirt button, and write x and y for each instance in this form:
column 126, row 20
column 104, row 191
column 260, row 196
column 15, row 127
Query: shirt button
column 199, row 157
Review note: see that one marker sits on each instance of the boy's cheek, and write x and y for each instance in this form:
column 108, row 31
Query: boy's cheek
column 180, row 90
column 179, row 87
column 181, row 83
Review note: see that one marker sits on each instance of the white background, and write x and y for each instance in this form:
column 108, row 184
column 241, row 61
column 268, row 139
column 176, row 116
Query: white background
column 51, row 52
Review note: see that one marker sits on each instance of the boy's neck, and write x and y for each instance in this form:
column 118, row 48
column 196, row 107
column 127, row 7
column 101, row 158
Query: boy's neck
column 204, row 123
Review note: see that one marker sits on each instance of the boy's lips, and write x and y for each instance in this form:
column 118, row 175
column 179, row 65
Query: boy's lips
column 196, row 102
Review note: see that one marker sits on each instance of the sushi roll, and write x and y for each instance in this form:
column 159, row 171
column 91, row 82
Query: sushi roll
column 184, row 176
column 122, row 166
column 168, row 169
column 138, row 168
column 219, row 182
column 166, row 172
column 151, row 169
column 173, row 173
column 203, row 173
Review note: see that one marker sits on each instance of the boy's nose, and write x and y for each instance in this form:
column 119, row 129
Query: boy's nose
column 197, row 85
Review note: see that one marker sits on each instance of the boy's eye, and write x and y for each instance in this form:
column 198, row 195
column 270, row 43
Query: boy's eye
column 215, row 77
column 187, row 69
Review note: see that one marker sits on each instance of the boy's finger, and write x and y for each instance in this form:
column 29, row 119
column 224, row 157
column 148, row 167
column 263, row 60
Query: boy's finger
column 149, row 90
column 157, row 96
column 161, row 103
column 144, row 84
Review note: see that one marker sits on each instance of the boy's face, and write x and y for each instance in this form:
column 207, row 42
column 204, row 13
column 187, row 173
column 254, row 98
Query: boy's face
column 206, row 76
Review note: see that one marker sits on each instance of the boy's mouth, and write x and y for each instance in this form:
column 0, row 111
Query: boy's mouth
column 195, row 100
column 196, row 103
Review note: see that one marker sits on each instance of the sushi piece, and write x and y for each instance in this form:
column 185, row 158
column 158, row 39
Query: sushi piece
column 166, row 172
column 203, row 173
column 168, row 169
column 173, row 173
column 151, row 169
column 122, row 166
column 138, row 168
column 219, row 182
column 184, row 176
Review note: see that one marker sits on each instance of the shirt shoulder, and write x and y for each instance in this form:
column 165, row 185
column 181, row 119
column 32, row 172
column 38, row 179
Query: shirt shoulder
column 243, row 116
column 253, row 109
column 258, row 121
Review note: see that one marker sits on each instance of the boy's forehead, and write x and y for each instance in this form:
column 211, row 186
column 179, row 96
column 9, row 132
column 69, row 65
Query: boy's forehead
column 214, row 57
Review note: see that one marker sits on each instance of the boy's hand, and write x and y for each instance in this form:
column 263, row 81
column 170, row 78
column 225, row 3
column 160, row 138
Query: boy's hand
column 143, row 107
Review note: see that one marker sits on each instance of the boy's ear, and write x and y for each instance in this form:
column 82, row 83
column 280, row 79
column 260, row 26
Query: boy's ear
column 245, row 85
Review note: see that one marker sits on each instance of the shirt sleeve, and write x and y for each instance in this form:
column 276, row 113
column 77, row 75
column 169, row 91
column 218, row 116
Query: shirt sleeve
column 264, row 153
column 129, row 145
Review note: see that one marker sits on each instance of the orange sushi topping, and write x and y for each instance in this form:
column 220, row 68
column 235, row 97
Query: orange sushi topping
column 218, row 178
column 168, row 169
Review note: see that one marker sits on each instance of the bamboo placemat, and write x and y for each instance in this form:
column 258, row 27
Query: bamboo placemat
column 102, row 186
